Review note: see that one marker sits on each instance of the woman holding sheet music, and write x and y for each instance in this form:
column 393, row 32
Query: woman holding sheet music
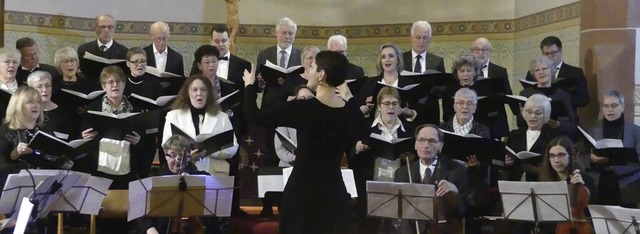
column 370, row 160
column 389, row 64
column 23, row 120
column 315, row 199
column 196, row 112
column 534, row 138
column 613, row 126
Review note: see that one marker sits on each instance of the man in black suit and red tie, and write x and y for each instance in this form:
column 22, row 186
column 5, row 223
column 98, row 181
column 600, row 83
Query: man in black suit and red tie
column 30, row 62
column 551, row 47
column 161, row 56
column 104, row 46
column 498, row 121
column 419, row 60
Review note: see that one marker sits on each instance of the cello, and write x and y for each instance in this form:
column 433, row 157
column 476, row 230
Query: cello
column 444, row 210
column 579, row 199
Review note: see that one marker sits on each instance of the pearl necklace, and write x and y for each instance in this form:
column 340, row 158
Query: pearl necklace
column 139, row 82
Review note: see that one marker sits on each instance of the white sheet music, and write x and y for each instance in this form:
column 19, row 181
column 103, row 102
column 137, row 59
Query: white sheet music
column 613, row 219
column 23, row 216
column 270, row 183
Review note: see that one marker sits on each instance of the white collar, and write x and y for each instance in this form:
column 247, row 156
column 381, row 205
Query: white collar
column 108, row 45
column 414, row 54
column 559, row 66
column 398, row 124
column 288, row 50
column 155, row 50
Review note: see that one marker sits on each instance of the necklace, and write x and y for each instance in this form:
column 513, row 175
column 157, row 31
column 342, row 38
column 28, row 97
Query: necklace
column 135, row 83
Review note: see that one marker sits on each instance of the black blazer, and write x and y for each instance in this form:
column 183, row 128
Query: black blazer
column 430, row 111
column 271, row 54
column 355, row 72
column 446, row 169
column 56, row 78
column 91, row 69
column 174, row 60
column 579, row 93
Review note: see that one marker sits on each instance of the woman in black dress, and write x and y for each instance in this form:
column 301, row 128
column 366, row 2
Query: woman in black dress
column 56, row 118
column 315, row 199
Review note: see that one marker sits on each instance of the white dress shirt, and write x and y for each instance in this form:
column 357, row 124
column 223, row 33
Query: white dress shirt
column 161, row 58
column 432, row 168
column 423, row 62
column 108, row 45
column 279, row 55
column 223, row 67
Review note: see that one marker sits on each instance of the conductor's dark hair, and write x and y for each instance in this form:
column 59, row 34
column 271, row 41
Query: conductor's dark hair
column 205, row 50
column 420, row 127
column 551, row 40
column 335, row 66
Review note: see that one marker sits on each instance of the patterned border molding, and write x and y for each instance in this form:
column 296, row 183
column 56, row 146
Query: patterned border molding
column 558, row 14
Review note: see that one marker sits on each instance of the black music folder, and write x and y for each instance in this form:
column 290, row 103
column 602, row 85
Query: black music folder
column 391, row 150
column 524, row 157
column 49, row 144
column 77, row 98
column 287, row 143
column 209, row 142
column 230, row 99
column 611, row 148
column 408, row 93
column 460, row 147
column 355, row 85
column 117, row 126
column 271, row 72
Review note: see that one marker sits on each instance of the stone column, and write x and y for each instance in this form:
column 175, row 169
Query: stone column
column 609, row 54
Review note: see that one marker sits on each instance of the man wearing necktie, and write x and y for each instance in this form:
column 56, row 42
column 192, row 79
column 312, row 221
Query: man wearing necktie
column 30, row 62
column 104, row 46
column 496, row 121
column 552, row 48
column 419, row 60
column 434, row 168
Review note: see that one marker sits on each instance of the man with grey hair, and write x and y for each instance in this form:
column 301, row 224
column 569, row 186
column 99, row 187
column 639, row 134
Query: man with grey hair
column 159, row 54
column 496, row 121
column 104, row 46
column 338, row 43
column 419, row 60
column 282, row 54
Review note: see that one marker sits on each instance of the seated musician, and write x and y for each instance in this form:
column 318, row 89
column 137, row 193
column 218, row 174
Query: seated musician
column 612, row 126
column 175, row 148
column 432, row 167
column 560, row 163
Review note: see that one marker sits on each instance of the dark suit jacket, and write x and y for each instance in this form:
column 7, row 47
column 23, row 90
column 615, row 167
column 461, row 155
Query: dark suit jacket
column 430, row 111
column 446, row 169
column 271, row 54
column 579, row 93
column 517, row 141
column 92, row 69
column 355, row 72
column 174, row 60
column 500, row 127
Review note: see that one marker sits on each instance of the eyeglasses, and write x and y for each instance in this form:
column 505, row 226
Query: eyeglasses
column 483, row 50
column 113, row 82
column 209, row 62
column 423, row 38
column 103, row 27
column 557, row 156
column 469, row 104
column 431, row 141
column 550, row 54
column 390, row 104
column 612, row 105
column 544, row 69
column 304, row 97
column 138, row 62
column 42, row 86
column 69, row 61
column 10, row 61
column 534, row 113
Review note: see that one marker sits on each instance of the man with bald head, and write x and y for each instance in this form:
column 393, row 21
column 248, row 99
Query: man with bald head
column 159, row 54
column 104, row 46
column 338, row 43
column 496, row 121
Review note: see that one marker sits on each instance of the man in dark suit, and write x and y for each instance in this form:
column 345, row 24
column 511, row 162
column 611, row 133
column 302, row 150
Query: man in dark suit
column 497, row 121
column 104, row 46
column 551, row 47
column 449, row 177
column 161, row 56
column 338, row 43
column 419, row 60
column 30, row 62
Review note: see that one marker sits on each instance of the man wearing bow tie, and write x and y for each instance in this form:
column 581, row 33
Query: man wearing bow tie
column 496, row 121
column 159, row 54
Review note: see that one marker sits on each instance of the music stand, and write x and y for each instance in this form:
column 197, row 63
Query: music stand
column 400, row 200
column 160, row 196
column 535, row 201
column 614, row 219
